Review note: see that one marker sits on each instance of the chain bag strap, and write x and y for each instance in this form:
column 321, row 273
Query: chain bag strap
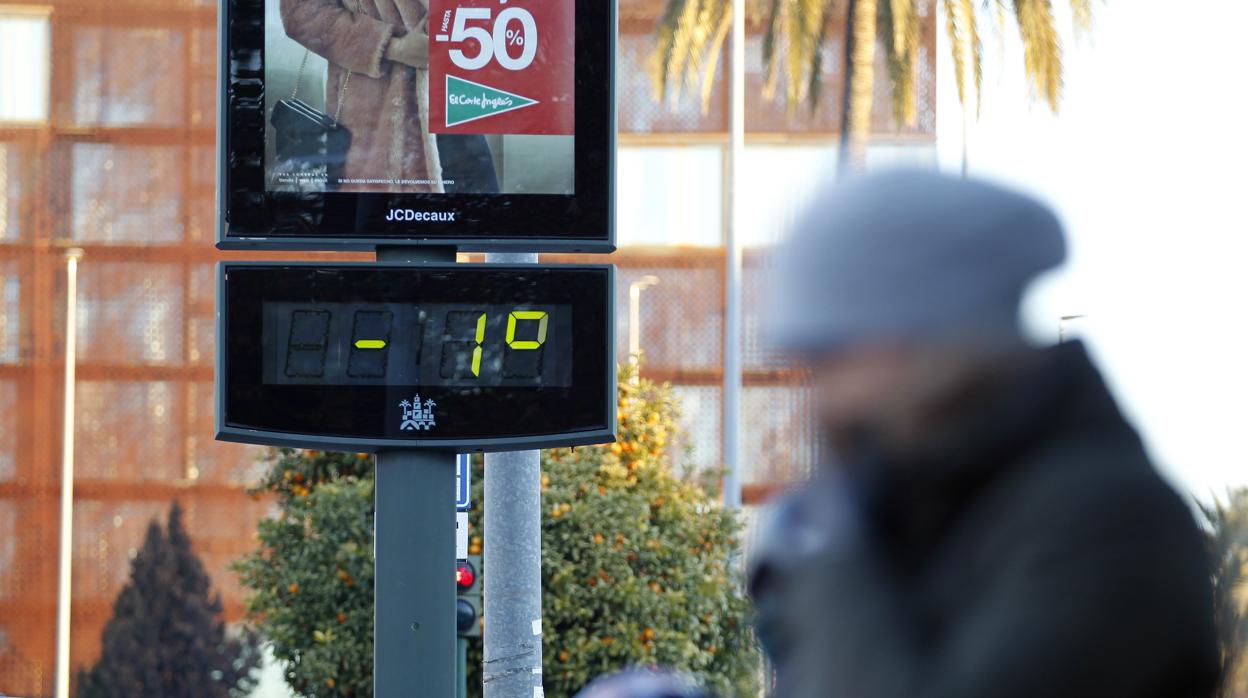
column 310, row 146
column 342, row 91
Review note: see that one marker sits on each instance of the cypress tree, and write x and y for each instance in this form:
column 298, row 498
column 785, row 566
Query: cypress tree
column 166, row 636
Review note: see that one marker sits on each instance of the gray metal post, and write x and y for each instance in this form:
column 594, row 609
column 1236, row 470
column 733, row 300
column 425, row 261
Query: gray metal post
column 414, row 545
column 461, row 668
column 414, row 584
column 513, row 565
column 732, row 276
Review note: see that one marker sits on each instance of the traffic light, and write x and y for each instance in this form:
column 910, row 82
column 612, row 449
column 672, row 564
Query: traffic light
column 468, row 601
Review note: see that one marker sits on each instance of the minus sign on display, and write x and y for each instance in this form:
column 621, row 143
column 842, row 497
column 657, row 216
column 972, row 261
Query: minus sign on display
column 370, row 344
column 441, row 37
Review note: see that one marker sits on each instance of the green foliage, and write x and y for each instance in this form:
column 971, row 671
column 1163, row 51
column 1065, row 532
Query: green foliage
column 312, row 578
column 635, row 565
column 635, row 560
column 1227, row 537
column 166, row 637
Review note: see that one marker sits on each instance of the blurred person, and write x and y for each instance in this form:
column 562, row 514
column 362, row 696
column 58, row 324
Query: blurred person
column 988, row 524
column 639, row 683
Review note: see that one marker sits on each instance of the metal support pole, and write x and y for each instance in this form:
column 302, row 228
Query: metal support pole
column 414, row 584
column 966, row 48
column 634, row 321
column 414, row 546
column 65, row 578
column 461, row 668
column 732, row 275
column 513, row 565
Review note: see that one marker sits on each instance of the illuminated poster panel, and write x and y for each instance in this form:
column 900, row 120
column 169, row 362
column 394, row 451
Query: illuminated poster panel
column 485, row 124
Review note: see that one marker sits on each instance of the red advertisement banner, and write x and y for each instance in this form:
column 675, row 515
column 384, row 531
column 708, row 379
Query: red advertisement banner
column 502, row 66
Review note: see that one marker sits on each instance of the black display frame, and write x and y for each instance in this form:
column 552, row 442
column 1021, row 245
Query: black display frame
column 234, row 383
column 249, row 217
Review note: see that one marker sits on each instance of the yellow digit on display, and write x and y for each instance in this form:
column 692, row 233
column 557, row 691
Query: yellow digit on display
column 476, row 353
column 516, row 316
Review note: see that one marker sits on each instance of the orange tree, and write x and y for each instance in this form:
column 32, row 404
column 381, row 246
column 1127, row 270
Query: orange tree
column 311, row 579
column 635, row 565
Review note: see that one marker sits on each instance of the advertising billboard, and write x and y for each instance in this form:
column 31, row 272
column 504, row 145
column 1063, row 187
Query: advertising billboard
column 486, row 124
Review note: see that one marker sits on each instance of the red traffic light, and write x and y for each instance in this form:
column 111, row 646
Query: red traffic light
column 464, row 576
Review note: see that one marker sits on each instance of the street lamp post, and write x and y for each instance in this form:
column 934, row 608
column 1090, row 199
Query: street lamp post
column 732, row 272
column 65, row 579
column 512, row 637
column 634, row 320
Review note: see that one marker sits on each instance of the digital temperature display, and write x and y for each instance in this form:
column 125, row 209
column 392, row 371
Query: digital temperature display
column 368, row 356
column 432, row 344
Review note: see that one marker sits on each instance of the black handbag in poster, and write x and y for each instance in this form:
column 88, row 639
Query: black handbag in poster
column 310, row 146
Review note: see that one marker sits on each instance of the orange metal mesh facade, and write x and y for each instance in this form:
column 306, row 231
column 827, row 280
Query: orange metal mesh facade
column 682, row 340
column 124, row 167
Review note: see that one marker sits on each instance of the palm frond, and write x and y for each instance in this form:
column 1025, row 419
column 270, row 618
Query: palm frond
column 819, row 37
column 899, row 27
column 659, row 62
column 862, row 31
column 1002, row 10
column 707, row 76
column 690, row 40
column 692, row 33
column 1042, row 49
column 708, row 29
column 793, row 38
column 807, row 25
column 691, row 37
column 1226, row 534
column 773, row 37
column 1000, row 13
column 968, row 48
column 1081, row 10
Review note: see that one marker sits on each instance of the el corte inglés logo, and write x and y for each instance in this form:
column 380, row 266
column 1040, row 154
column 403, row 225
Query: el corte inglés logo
column 469, row 101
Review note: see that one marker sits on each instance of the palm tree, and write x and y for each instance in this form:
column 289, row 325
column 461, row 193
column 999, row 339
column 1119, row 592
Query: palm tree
column 1226, row 526
column 691, row 35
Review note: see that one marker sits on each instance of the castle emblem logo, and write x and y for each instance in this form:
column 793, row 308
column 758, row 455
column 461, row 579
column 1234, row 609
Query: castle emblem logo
column 417, row 416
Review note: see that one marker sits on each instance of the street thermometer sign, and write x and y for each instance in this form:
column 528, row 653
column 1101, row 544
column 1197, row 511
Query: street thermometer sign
column 338, row 131
column 372, row 356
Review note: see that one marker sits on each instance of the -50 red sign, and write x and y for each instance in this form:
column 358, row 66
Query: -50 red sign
column 502, row 66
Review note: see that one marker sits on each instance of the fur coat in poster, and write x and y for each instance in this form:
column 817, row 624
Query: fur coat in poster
column 381, row 106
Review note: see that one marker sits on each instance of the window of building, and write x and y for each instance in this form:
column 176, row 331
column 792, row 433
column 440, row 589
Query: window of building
column 25, row 66
column 670, row 195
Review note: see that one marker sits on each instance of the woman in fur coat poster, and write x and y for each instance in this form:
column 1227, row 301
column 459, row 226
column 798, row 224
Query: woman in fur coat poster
column 377, row 87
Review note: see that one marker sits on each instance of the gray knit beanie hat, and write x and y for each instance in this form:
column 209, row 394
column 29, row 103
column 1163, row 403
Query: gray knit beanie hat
column 910, row 256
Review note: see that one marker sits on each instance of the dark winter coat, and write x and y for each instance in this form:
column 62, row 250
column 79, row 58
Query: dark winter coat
column 1033, row 552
